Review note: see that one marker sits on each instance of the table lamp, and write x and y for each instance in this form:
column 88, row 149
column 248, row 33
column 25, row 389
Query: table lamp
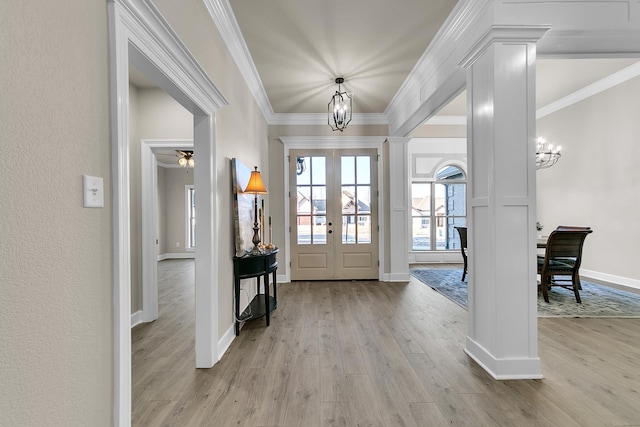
column 255, row 187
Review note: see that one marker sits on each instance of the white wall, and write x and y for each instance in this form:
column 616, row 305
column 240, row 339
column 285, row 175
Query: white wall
column 596, row 183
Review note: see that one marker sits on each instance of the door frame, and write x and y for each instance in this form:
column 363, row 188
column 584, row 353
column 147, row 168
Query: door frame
column 329, row 143
column 149, row 199
column 140, row 36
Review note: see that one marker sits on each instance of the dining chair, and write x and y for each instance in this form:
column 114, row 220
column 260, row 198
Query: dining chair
column 462, row 231
column 563, row 256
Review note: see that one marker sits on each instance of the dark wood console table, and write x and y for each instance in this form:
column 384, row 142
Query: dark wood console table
column 258, row 266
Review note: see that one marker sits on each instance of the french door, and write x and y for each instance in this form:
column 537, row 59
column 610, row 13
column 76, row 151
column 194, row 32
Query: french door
column 333, row 198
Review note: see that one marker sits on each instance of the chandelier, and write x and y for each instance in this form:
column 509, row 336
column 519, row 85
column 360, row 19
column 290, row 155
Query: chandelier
column 339, row 108
column 546, row 154
column 186, row 158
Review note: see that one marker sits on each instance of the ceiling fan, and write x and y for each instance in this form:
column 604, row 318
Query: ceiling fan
column 186, row 158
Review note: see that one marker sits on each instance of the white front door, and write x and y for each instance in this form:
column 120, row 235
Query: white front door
column 334, row 214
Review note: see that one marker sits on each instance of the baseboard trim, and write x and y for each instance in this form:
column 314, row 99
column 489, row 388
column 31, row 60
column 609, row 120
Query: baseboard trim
column 225, row 341
column 136, row 318
column 396, row 277
column 177, row 255
column 507, row 368
column 618, row 282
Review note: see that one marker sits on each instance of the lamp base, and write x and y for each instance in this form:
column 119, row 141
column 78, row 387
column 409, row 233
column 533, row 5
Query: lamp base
column 256, row 241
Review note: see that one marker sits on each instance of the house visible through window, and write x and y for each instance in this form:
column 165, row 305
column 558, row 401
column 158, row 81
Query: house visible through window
column 191, row 217
column 437, row 206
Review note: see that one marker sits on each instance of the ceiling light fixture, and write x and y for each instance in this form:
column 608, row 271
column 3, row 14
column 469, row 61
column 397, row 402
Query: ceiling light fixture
column 186, row 159
column 546, row 154
column 339, row 108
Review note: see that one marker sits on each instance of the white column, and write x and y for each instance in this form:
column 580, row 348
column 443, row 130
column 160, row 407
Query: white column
column 503, row 334
column 206, row 274
column 399, row 209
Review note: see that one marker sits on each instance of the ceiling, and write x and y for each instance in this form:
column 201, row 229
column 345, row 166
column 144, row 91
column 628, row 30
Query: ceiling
column 299, row 47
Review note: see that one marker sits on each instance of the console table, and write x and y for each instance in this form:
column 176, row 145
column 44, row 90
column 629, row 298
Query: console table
column 258, row 266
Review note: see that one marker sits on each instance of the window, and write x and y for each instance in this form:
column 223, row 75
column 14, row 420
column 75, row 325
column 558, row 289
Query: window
column 436, row 208
column 191, row 217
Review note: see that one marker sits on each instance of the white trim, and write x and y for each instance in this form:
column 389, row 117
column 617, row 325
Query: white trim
column 282, row 278
column 332, row 142
column 225, row 21
column 136, row 318
column 187, row 218
column 321, row 119
column 595, row 88
column 618, row 281
column 447, row 120
column 520, row 368
column 149, row 215
column 396, row 277
column 225, row 341
column 139, row 35
column 176, row 255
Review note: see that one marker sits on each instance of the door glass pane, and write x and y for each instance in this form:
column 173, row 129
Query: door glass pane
column 364, row 199
column 319, row 170
column 364, row 229
column 348, row 229
column 319, row 197
column 363, row 166
column 319, row 230
column 348, row 199
column 348, row 174
column 304, row 230
column 303, row 176
column 304, row 200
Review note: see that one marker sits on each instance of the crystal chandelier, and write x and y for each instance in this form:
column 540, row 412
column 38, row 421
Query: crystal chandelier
column 546, row 154
column 186, row 158
column 339, row 108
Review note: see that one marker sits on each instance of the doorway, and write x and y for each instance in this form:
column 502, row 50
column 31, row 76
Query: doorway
column 333, row 208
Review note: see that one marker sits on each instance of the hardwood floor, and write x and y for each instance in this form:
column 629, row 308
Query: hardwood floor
column 374, row 354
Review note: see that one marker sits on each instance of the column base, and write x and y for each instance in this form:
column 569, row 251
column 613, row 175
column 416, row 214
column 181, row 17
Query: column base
column 504, row 369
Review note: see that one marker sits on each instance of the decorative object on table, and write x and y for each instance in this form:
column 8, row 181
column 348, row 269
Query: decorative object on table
column 255, row 187
column 186, row 158
column 339, row 108
column 599, row 300
column 546, row 154
column 270, row 245
column 242, row 208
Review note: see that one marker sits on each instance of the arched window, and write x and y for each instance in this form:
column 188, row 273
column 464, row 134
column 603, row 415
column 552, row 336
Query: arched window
column 437, row 206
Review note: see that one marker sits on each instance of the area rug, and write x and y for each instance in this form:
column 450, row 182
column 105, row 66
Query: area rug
column 597, row 300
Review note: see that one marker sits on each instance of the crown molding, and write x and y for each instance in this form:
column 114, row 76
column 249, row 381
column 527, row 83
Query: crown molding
column 224, row 19
column 292, row 142
column 446, row 120
column 321, row 119
column 593, row 89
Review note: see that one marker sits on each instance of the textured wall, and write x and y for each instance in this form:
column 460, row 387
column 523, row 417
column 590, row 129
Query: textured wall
column 56, row 293
column 597, row 181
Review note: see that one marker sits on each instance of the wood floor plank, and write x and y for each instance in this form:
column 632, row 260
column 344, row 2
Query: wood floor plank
column 349, row 353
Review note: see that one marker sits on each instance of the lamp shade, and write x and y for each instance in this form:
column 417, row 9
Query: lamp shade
column 255, row 185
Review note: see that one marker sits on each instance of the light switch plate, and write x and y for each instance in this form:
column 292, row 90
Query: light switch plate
column 93, row 192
